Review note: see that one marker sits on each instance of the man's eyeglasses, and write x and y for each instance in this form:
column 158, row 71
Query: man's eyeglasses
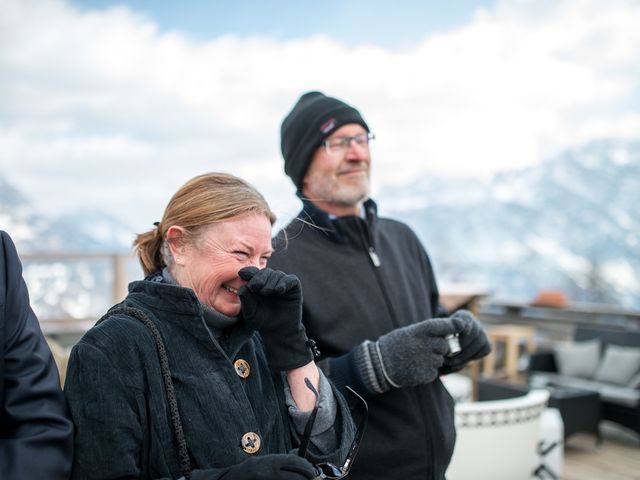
column 329, row 470
column 340, row 145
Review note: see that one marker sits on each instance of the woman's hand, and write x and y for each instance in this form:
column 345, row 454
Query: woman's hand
column 272, row 304
column 283, row 466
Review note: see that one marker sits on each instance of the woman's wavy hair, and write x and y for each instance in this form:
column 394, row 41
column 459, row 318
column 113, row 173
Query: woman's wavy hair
column 204, row 200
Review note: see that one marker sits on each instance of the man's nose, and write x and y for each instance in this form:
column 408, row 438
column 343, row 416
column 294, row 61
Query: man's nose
column 356, row 152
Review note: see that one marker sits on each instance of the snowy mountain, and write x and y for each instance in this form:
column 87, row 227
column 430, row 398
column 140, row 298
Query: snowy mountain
column 570, row 223
column 76, row 279
column 78, row 231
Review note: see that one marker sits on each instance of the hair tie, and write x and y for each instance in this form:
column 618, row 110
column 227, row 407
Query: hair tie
column 156, row 224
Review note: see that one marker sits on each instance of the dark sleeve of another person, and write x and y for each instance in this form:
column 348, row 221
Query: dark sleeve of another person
column 36, row 434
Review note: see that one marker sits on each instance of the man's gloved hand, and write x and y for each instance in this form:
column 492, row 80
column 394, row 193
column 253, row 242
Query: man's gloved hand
column 474, row 343
column 405, row 356
column 265, row 467
column 272, row 304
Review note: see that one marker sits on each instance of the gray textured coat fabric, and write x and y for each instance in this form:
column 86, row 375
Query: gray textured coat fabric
column 117, row 398
column 361, row 279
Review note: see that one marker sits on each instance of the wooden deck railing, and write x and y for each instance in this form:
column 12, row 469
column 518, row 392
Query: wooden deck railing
column 67, row 329
column 118, row 265
column 550, row 323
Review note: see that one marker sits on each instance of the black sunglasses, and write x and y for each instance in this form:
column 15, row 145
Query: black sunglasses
column 329, row 470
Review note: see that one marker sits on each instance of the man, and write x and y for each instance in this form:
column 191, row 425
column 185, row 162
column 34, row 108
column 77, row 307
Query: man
column 36, row 435
column 370, row 296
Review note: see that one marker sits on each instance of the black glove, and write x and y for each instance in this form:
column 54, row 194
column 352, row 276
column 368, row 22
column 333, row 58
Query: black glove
column 474, row 343
column 264, row 467
column 272, row 304
column 405, row 356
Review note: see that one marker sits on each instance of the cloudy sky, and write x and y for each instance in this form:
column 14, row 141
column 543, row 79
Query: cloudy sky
column 114, row 104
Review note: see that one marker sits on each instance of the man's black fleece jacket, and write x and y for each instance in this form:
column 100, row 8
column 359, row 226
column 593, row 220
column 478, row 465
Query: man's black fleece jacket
column 362, row 278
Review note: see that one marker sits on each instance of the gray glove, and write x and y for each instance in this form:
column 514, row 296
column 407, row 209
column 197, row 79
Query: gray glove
column 474, row 343
column 405, row 356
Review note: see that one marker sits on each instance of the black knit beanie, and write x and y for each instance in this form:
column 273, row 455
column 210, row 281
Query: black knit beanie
column 313, row 118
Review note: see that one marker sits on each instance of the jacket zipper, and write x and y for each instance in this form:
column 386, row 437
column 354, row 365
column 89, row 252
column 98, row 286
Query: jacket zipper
column 375, row 259
column 367, row 241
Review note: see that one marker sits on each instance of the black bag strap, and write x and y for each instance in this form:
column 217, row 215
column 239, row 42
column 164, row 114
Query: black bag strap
column 176, row 422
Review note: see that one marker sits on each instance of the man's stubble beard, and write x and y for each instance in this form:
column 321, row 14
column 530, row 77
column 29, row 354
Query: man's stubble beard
column 337, row 190
column 347, row 194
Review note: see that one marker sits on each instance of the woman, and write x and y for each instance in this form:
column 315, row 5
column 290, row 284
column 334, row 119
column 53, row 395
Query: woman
column 175, row 381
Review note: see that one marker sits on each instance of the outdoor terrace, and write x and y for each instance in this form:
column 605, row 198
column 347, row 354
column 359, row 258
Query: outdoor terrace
column 616, row 457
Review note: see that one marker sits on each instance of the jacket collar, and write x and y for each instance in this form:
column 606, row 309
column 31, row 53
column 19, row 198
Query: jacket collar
column 333, row 228
column 178, row 301
column 156, row 293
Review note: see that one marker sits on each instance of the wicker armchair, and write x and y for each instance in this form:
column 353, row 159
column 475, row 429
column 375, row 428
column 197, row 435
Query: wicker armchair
column 497, row 439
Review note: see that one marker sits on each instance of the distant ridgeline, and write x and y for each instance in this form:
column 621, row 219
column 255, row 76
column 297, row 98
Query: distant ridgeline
column 571, row 223
column 77, row 280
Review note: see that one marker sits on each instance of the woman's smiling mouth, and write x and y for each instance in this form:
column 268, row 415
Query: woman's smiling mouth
column 230, row 289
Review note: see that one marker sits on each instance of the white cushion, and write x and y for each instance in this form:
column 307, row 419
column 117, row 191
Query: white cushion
column 578, row 359
column 619, row 365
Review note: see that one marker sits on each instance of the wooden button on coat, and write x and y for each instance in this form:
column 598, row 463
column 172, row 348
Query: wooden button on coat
column 242, row 368
column 250, row 442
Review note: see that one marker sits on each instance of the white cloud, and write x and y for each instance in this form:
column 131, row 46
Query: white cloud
column 103, row 102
